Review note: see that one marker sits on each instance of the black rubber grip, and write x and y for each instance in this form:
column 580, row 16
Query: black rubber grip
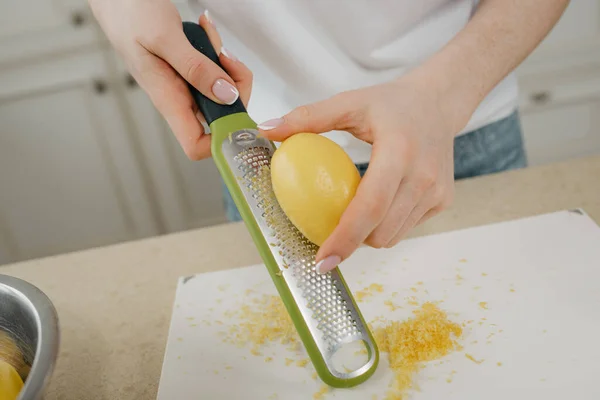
column 211, row 110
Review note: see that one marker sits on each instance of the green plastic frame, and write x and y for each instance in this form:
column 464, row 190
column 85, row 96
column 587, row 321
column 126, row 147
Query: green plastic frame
column 220, row 131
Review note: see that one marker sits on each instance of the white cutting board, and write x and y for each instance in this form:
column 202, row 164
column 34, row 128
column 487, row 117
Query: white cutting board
column 548, row 347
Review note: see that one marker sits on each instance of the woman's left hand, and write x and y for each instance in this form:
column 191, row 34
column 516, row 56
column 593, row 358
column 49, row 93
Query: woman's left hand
column 410, row 177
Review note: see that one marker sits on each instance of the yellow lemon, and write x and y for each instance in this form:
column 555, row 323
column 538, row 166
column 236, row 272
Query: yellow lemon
column 314, row 180
column 10, row 382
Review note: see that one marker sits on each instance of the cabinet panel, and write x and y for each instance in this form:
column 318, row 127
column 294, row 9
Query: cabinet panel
column 68, row 176
column 574, row 41
column 554, row 134
column 18, row 17
column 202, row 186
column 34, row 28
column 166, row 180
column 580, row 21
column 189, row 193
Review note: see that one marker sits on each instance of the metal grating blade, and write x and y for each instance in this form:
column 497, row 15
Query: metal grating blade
column 323, row 300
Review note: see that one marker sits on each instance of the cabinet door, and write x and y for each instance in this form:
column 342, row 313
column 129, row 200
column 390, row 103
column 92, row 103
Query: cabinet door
column 573, row 42
column 189, row 193
column 557, row 133
column 561, row 114
column 69, row 175
column 32, row 28
column 579, row 23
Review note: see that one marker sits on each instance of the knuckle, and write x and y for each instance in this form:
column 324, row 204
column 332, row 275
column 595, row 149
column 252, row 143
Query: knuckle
column 191, row 153
column 448, row 199
column 426, row 179
column 380, row 237
column 304, row 111
column 155, row 39
column 375, row 241
column 405, row 150
column 442, row 197
column 439, row 195
column 392, row 243
column 374, row 208
column 194, row 68
column 353, row 115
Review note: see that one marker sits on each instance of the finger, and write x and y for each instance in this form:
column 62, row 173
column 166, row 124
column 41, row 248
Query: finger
column 366, row 210
column 206, row 76
column 206, row 22
column 418, row 215
column 239, row 72
column 428, row 215
column 405, row 200
column 171, row 97
column 340, row 112
column 418, row 188
column 183, row 127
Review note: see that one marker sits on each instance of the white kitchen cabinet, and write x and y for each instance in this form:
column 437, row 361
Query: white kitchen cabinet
column 573, row 42
column 201, row 187
column 38, row 28
column 559, row 133
column 69, row 175
column 560, row 88
column 579, row 24
column 561, row 115
column 188, row 192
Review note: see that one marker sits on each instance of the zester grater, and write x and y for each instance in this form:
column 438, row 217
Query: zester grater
column 320, row 306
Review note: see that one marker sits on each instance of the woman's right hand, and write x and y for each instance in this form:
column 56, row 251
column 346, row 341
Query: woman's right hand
column 149, row 36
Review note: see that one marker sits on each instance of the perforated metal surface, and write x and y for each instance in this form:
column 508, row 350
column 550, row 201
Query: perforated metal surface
column 322, row 300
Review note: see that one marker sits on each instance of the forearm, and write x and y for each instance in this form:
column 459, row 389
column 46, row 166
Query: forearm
column 501, row 34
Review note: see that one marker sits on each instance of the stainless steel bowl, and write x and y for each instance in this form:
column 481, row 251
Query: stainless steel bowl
column 29, row 316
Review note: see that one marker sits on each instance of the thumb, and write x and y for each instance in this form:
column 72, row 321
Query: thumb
column 336, row 113
column 196, row 68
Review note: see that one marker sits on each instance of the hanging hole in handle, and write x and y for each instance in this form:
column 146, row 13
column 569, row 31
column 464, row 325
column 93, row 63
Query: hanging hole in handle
column 78, row 18
column 351, row 357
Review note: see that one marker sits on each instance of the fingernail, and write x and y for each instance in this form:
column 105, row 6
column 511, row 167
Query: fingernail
column 206, row 127
column 208, row 17
column 228, row 54
column 327, row 264
column 270, row 124
column 225, row 91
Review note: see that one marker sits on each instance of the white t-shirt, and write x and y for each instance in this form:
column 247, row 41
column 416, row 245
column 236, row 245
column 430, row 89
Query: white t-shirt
column 303, row 51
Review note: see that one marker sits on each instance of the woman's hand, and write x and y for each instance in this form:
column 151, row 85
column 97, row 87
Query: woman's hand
column 149, row 36
column 411, row 173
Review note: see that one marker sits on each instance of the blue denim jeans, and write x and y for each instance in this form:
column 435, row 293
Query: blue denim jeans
column 493, row 148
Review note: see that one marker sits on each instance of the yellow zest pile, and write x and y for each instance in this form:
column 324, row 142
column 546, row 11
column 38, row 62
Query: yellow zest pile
column 264, row 320
column 367, row 292
column 470, row 357
column 428, row 336
column 321, row 393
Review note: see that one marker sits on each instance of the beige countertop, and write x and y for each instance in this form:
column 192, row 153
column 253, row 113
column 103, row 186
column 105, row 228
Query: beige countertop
column 114, row 303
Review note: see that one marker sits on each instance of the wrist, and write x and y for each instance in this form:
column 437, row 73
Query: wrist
column 456, row 90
